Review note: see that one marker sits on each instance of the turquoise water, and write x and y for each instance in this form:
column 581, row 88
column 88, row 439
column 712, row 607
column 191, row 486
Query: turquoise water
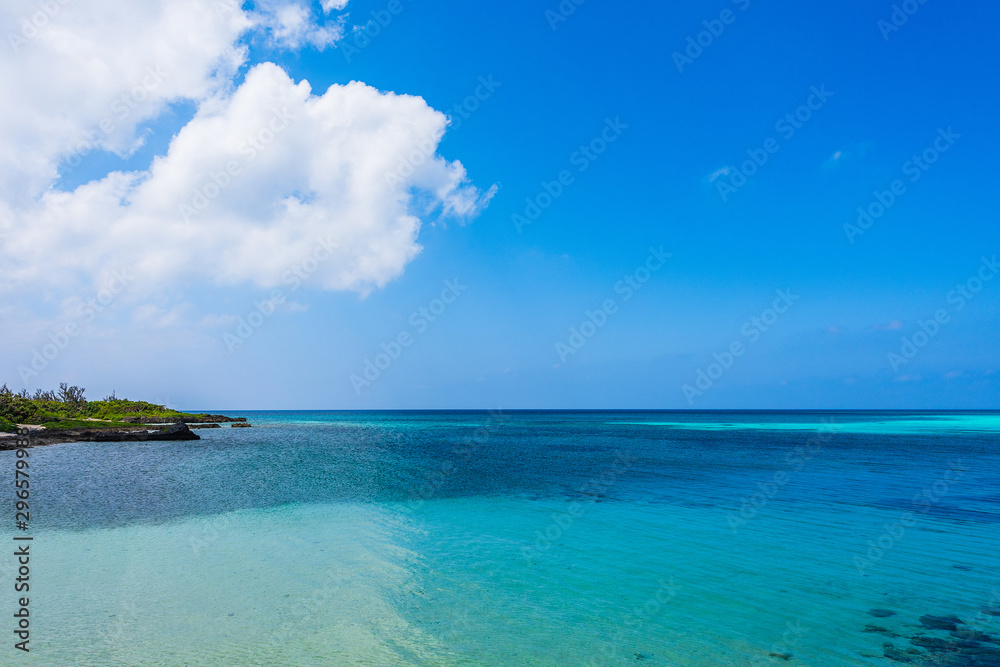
column 929, row 425
column 521, row 539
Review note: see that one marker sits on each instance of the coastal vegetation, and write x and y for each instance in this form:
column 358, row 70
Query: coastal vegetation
column 68, row 408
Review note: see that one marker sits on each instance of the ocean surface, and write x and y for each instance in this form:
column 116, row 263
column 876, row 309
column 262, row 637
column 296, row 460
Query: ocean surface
column 524, row 538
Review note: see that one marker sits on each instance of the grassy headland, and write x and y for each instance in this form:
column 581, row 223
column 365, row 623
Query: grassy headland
column 68, row 408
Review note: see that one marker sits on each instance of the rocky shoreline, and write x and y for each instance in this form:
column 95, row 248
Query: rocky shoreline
column 193, row 419
column 146, row 429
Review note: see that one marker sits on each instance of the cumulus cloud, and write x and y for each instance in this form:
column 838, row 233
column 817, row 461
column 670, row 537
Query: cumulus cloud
column 82, row 75
column 253, row 186
column 265, row 175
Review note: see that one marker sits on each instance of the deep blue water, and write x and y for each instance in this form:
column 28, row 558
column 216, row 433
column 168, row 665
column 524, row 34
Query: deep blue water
column 542, row 538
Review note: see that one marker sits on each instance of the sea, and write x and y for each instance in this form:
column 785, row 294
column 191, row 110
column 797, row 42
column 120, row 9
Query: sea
column 518, row 538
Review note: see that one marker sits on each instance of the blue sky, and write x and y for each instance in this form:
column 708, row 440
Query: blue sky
column 677, row 135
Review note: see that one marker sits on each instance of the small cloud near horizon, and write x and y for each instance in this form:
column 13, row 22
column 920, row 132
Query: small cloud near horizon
column 889, row 326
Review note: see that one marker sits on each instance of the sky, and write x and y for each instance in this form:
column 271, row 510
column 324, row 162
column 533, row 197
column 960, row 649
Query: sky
column 403, row 205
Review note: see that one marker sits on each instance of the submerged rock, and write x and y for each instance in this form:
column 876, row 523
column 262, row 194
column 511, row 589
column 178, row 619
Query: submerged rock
column 987, row 655
column 930, row 643
column 971, row 635
column 173, row 432
column 881, row 613
column 940, row 622
column 973, row 656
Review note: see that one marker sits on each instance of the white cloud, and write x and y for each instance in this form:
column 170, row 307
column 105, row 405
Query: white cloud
column 293, row 25
column 332, row 5
column 95, row 62
column 151, row 315
column 315, row 171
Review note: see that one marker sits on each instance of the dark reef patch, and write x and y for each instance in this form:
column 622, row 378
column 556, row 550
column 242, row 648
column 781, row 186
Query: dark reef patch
column 940, row 622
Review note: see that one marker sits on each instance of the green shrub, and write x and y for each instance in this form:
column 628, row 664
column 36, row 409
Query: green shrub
column 69, row 403
column 63, row 424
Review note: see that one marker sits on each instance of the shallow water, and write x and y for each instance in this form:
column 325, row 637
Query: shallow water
column 522, row 539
